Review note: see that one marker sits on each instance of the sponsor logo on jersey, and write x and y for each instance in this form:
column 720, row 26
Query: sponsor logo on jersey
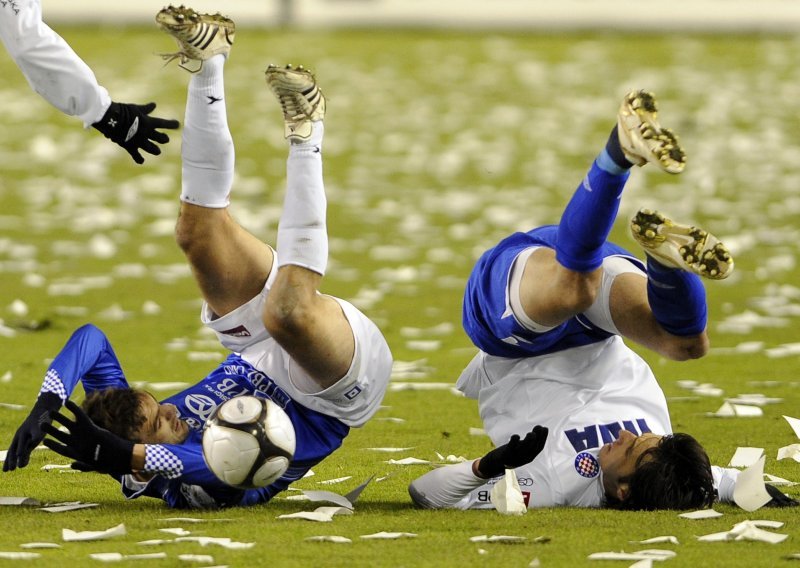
column 586, row 465
column 238, row 331
column 595, row 435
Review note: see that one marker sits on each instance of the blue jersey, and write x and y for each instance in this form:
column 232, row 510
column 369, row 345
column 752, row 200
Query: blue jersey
column 182, row 478
column 487, row 317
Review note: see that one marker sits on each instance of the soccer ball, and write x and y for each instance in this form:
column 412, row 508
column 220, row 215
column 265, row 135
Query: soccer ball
column 248, row 442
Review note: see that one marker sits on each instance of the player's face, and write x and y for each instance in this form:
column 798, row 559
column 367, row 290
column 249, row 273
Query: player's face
column 618, row 459
column 161, row 422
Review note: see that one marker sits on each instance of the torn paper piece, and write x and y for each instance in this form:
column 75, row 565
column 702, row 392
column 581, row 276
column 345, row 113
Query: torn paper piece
column 353, row 495
column 778, row 481
column 745, row 457
column 701, row 514
column 119, row 557
column 390, row 419
column 746, row 530
column 329, row 538
column 40, row 545
column 60, row 468
column 166, row 386
column 506, row 539
column 19, row 501
column 327, row 496
column 477, row 431
column 64, row 507
column 791, row 452
column 739, row 410
column 19, row 555
column 506, row 495
column 389, row 450
column 388, row 535
column 754, row 399
column 320, row 514
column 224, row 542
column 176, row 531
column 650, row 554
column 155, row 542
column 192, row 520
column 11, row 406
column 408, row 461
column 199, row 558
column 335, row 481
column 750, row 493
column 450, row 458
column 69, row 535
column 645, row 563
column 658, row 540
column 795, row 424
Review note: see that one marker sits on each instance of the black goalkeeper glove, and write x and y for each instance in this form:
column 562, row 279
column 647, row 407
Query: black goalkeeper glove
column 94, row 448
column 132, row 127
column 30, row 433
column 779, row 498
column 515, row 453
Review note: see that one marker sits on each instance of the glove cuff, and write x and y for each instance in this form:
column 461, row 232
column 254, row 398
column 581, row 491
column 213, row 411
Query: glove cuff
column 114, row 124
column 49, row 401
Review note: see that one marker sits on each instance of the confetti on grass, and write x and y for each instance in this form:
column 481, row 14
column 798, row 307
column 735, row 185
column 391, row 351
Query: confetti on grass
column 388, row 535
column 701, row 514
column 69, row 535
column 750, row 531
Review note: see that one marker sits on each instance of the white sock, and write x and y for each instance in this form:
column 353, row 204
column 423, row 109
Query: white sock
column 207, row 150
column 302, row 231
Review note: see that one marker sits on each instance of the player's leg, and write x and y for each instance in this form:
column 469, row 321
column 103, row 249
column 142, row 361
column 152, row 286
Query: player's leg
column 666, row 311
column 558, row 284
column 310, row 326
column 229, row 264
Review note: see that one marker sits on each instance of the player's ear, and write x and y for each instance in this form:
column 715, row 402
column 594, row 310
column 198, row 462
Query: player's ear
column 623, row 491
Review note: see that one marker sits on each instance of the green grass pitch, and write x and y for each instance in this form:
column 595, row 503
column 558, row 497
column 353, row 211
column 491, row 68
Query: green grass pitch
column 437, row 145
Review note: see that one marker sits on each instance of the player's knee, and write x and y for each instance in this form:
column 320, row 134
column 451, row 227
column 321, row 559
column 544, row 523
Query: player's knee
column 287, row 317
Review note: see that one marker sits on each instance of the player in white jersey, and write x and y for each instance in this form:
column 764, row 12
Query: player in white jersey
column 318, row 357
column 547, row 310
column 56, row 72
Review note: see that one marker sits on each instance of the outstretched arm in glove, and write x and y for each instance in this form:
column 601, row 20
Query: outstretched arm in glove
column 93, row 448
column 132, row 127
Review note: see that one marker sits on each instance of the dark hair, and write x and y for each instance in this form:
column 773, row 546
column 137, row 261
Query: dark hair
column 673, row 474
column 117, row 410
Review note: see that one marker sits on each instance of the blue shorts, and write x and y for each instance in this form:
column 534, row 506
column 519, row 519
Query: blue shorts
column 487, row 317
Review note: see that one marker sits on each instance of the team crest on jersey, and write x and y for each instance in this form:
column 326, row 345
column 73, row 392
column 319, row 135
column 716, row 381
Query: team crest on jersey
column 586, row 465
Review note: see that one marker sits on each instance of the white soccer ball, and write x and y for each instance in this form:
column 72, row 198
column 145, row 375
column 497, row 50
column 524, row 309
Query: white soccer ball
column 248, row 442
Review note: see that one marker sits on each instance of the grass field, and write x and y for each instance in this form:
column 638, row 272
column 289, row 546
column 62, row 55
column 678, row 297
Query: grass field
column 437, row 145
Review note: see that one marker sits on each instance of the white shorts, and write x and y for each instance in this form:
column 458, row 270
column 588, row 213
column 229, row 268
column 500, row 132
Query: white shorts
column 354, row 399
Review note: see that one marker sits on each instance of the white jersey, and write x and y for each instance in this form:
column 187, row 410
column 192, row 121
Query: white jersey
column 585, row 396
column 51, row 67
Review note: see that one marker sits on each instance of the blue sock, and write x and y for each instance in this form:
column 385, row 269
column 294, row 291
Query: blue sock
column 588, row 218
column 677, row 298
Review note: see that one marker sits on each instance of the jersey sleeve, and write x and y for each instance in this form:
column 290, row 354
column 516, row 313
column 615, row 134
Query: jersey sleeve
column 724, row 482
column 87, row 357
column 49, row 64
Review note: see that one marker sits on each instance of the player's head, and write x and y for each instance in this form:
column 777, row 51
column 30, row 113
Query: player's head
column 136, row 416
column 650, row 472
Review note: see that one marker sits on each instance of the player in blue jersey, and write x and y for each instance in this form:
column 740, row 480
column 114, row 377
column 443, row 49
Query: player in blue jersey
column 548, row 308
column 316, row 356
column 56, row 72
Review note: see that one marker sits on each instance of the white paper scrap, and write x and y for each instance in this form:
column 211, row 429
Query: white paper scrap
column 335, row 480
column 408, row 461
column 40, row 545
column 19, row 501
column 327, row 496
column 199, row 558
column 406, row 386
column 506, row 495
column 658, row 540
column 119, row 557
column 176, row 531
column 68, row 507
column 644, row 563
column 701, row 514
column 329, row 538
column 308, row 516
column 728, row 410
column 69, row 535
column 649, row 554
column 11, row 406
column 745, row 457
column 19, row 555
column 750, row 493
column 389, row 450
column 388, row 535
column 224, row 542
column 502, row 538
column 155, row 542
column 778, row 481
column 795, row 424
column 790, row 452
column 746, row 530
